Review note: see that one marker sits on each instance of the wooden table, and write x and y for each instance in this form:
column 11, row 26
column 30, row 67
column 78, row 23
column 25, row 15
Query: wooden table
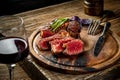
column 38, row 17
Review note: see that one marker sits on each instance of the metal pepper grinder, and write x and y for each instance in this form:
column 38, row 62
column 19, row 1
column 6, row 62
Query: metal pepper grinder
column 94, row 7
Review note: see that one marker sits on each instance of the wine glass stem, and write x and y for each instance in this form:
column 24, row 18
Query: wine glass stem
column 11, row 70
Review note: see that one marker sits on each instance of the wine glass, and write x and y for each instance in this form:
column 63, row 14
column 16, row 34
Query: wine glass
column 13, row 41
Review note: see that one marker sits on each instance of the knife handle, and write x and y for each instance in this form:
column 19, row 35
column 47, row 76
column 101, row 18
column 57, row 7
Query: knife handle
column 106, row 27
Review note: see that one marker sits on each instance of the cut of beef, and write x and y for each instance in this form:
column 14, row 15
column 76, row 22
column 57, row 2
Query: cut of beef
column 61, row 42
column 43, row 43
column 46, row 33
column 74, row 47
column 57, row 44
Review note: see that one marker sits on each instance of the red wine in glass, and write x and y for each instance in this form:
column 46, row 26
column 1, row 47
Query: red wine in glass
column 13, row 41
column 13, row 50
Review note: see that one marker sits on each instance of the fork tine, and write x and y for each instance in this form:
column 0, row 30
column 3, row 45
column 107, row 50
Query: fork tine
column 96, row 27
column 90, row 27
column 93, row 27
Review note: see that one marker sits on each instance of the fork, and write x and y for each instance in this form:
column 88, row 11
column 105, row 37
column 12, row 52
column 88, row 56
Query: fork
column 93, row 27
column 95, row 24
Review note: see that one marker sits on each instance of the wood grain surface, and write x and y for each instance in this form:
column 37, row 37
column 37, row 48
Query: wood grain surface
column 33, row 19
column 36, row 18
column 86, row 61
column 19, row 73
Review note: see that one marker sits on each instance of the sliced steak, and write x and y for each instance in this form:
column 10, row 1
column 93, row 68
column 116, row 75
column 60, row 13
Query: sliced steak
column 57, row 44
column 46, row 33
column 43, row 43
column 74, row 47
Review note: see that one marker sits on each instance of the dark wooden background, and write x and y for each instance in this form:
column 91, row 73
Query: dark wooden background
column 16, row 6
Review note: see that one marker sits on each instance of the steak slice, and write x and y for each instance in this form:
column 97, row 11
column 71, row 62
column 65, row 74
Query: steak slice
column 46, row 33
column 57, row 44
column 43, row 43
column 74, row 47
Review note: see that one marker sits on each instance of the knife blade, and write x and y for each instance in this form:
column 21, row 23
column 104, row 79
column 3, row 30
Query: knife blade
column 100, row 42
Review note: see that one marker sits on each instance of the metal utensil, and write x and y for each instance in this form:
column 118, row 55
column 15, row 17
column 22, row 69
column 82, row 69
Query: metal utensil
column 100, row 42
column 96, row 23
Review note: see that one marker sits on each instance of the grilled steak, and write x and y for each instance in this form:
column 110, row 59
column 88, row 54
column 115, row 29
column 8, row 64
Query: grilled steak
column 43, row 43
column 46, row 33
column 57, row 45
column 73, row 47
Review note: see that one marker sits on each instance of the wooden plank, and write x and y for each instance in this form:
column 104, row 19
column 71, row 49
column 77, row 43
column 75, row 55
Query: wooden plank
column 19, row 73
column 35, row 18
column 111, row 73
column 80, row 63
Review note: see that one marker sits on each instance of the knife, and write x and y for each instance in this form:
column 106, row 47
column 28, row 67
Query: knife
column 100, row 42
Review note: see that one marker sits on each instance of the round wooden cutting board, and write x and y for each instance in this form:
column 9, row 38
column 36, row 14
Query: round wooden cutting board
column 82, row 63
